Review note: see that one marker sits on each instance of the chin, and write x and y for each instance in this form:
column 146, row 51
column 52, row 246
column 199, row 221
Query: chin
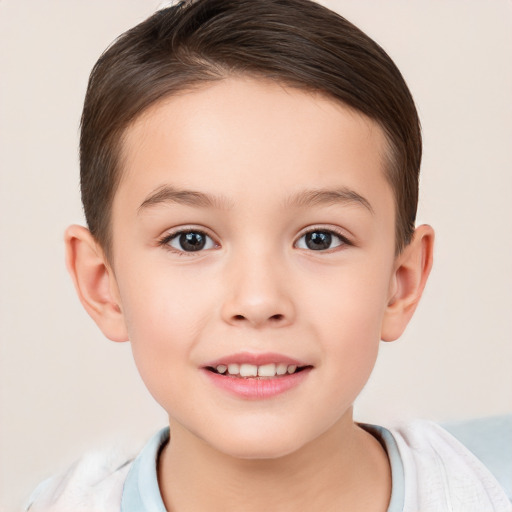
column 258, row 444
column 259, row 451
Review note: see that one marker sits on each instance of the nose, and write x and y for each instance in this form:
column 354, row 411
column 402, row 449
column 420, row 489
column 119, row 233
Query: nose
column 258, row 293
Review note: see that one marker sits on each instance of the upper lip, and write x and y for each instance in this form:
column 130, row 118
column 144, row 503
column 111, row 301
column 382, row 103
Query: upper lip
column 255, row 359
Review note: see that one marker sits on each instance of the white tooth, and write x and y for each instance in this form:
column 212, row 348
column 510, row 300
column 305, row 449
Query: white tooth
column 248, row 370
column 281, row 369
column 233, row 369
column 267, row 370
column 221, row 368
column 291, row 368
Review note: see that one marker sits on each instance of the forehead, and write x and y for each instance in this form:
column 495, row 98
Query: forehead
column 244, row 139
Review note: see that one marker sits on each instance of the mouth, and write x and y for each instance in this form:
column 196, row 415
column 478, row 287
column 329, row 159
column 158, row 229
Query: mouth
column 257, row 376
column 252, row 371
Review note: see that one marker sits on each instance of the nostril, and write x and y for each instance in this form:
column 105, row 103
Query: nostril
column 276, row 317
column 239, row 317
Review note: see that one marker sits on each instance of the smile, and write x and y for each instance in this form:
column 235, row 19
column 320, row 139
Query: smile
column 256, row 376
column 253, row 371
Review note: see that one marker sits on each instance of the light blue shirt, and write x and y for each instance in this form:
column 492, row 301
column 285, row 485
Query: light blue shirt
column 141, row 491
column 490, row 439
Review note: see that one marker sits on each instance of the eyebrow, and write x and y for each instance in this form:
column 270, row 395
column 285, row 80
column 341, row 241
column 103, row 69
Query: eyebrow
column 317, row 197
column 303, row 199
column 169, row 194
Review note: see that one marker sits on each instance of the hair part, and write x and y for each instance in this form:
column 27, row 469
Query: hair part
column 294, row 42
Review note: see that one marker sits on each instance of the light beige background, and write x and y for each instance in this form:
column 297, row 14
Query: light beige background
column 64, row 389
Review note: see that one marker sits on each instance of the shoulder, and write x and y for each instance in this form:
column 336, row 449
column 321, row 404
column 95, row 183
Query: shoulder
column 490, row 440
column 93, row 483
column 466, row 473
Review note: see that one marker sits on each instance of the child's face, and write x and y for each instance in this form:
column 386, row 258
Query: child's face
column 292, row 221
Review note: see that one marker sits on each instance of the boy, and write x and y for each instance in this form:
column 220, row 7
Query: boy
column 249, row 176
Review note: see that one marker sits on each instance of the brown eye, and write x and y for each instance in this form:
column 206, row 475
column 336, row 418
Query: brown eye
column 191, row 241
column 320, row 240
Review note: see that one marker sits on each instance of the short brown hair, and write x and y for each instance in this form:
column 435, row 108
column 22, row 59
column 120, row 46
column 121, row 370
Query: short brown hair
column 295, row 42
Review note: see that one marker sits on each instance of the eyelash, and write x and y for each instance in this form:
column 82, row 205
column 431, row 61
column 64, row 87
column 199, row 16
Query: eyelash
column 332, row 231
column 165, row 240
column 168, row 238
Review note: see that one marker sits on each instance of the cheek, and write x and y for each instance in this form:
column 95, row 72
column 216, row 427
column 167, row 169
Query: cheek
column 164, row 319
column 158, row 303
column 348, row 322
column 350, row 305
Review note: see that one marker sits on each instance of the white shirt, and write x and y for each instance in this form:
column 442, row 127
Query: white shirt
column 431, row 472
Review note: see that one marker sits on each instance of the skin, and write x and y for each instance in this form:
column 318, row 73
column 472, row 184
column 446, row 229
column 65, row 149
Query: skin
column 256, row 287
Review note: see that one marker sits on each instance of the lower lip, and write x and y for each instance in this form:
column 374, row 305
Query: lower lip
column 257, row 388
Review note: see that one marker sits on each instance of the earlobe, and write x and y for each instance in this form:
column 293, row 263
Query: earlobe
column 94, row 282
column 412, row 269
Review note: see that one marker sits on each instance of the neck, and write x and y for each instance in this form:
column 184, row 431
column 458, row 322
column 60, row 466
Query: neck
column 344, row 469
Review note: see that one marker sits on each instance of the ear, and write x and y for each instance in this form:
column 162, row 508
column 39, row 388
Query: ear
column 94, row 282
column 412, row 268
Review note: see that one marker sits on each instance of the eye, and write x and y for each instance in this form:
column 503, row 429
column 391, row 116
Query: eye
column 321, row 240
column 189, row 241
